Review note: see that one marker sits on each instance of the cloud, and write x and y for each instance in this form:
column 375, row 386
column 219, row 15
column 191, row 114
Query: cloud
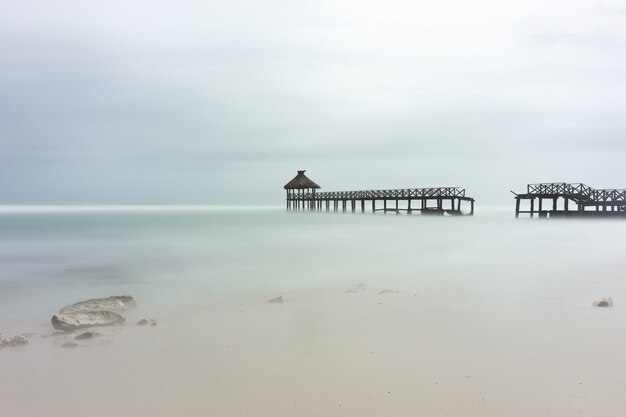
column 168, row 96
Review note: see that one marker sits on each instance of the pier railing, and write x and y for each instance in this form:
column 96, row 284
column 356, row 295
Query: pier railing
column 577, row 190
column 403, row 193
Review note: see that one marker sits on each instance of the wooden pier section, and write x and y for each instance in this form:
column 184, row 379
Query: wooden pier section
column 560, row 199
column 302, row 195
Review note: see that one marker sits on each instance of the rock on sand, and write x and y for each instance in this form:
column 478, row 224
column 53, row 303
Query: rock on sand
column 87, row 335
column 69, row 322
column 605, row 302
column 18, row 340
column 116, row 303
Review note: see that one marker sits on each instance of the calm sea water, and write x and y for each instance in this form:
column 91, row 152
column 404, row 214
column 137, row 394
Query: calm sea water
column 51, row 257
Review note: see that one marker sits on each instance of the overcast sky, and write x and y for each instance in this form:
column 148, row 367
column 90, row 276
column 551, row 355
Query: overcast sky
column 220, row 102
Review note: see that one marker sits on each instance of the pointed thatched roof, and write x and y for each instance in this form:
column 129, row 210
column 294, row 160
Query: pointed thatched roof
column 300, row 181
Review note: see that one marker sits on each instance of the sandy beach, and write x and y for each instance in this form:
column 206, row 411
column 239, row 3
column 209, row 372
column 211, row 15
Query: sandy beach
column 432, row 337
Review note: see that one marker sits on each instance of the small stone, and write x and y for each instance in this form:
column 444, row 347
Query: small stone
column 387, row 291
column 278, row 299
column 146, row 322
column 153, row 323
column 357, row 288
column 87, row 335
column 605, row 302
column 69, row 345
column 14, row 341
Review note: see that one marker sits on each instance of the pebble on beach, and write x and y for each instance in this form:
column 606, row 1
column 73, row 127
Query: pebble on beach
column 357, row 288
column 87, row 335
column 605, row 302
column 14, row 341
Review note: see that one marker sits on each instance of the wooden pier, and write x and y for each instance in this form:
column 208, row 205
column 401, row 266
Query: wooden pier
column 302, row 195
column 570, row 200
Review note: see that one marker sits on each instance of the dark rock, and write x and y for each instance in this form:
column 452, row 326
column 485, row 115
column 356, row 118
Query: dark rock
column 87, row 335
column 605, row 302
column 276, row 300
column 146, row 322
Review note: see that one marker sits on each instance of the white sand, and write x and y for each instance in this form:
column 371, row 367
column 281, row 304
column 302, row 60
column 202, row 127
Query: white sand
column 439, row 352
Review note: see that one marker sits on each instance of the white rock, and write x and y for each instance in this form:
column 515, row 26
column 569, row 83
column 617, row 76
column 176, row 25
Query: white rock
column 116, row 303
column 69, row 322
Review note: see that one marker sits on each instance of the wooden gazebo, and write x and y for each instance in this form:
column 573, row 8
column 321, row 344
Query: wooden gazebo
column 301, row 191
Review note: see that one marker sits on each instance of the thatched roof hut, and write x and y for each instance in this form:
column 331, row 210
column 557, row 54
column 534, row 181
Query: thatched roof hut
column 300, row 182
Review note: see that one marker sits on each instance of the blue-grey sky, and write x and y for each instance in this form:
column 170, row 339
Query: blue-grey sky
column 220, row 102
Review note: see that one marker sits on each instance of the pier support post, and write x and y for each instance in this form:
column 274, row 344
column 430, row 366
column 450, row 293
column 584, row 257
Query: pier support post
column 517, row 201
column 472, row 208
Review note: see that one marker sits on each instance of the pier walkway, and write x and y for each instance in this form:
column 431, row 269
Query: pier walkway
column 302, row 195
column 571, row 200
